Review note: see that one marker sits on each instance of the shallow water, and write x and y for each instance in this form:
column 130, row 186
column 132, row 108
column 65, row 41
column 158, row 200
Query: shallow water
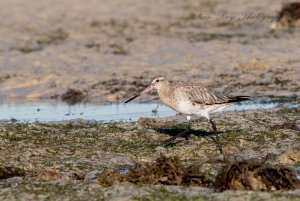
column 45, row 112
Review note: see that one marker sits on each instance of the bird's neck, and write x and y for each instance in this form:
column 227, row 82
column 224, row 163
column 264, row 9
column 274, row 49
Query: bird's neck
column 165, row 92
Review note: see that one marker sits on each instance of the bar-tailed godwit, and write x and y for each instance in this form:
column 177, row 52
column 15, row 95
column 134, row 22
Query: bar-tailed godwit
column 191, row 99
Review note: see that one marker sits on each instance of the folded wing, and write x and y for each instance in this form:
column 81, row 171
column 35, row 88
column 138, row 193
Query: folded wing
column 201, row 95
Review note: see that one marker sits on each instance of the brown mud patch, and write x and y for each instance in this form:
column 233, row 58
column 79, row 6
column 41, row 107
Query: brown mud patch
column 7, row 172
column 52, row 174
column 41, row 40
column 73, row 96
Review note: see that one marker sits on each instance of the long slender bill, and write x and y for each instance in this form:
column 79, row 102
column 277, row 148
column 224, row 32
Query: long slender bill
column 130, row 99
column 149, row 88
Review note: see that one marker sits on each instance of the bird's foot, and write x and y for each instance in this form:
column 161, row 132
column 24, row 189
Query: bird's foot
column 218, row 144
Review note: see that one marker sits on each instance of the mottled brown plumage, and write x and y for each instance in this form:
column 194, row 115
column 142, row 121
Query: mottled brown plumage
column 191, row 99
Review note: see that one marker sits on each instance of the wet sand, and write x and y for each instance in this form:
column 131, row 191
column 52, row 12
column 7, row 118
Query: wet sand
column 114, row 50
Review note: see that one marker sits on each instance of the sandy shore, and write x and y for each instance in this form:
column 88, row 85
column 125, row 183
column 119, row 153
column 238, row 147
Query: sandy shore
column 113, row 50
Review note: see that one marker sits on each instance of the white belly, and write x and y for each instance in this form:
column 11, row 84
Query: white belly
column 188, row 108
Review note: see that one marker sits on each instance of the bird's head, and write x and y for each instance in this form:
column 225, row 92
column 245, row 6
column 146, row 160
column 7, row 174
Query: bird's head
column 156, row 83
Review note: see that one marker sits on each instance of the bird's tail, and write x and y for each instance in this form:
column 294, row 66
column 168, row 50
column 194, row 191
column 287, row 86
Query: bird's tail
column 233, row 99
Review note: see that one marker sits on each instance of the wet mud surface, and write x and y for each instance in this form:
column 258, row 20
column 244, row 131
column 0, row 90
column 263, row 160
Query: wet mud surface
column 60, row 158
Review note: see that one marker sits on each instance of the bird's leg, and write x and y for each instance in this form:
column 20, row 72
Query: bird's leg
column 185, row 132
column 214, row 126
column 217, row 141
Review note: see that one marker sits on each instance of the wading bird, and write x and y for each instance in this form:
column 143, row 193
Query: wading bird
column 191, row 99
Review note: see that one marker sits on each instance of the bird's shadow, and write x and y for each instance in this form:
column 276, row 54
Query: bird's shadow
column 174, row 131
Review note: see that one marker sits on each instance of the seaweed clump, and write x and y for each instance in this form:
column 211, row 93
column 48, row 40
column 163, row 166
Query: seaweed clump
column 165, row 170
column 233, row 175
column 255, row 175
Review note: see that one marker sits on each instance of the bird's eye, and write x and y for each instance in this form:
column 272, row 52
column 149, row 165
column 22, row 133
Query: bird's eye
column 157, row 80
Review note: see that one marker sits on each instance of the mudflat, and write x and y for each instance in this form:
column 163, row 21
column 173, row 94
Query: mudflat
column 110, row 49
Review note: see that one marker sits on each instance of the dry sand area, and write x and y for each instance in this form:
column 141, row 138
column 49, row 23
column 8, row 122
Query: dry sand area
column 111, row 48
column 108, row 50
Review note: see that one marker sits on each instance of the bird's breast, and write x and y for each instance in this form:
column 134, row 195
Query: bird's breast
column 168, row 98
column 177, row 101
